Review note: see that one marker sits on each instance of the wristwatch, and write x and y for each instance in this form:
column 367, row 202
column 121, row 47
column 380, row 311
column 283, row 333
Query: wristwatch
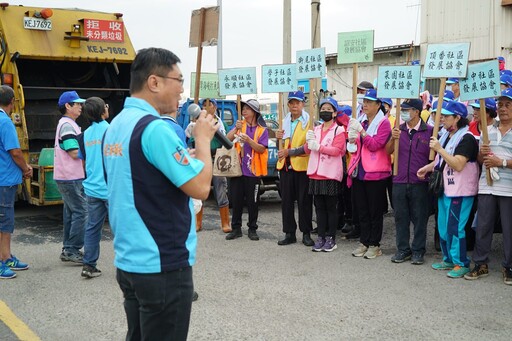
column 504, row 164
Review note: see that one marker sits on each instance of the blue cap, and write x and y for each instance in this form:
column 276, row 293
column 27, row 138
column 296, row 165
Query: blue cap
column 413, row 103
column 490, row 103
column 213, row 100
column 388, row 101
column 456, row 108
column 415, row 62
column 506, row 79
column 448, row 95
column 331, row 101
column 506, row 93
column 345, row 109
column 505, row 72
column 70, row 97
column 443, row 109
column 501, row 59
column 298, row 95
column 371, row 95
column 452, row 80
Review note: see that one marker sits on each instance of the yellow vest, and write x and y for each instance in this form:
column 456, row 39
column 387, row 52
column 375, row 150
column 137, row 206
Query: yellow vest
column 259, row 161
column 298, row 139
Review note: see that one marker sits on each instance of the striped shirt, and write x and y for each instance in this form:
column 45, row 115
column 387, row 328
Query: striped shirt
column 501, row 146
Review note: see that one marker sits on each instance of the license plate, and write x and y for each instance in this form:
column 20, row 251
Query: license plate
column 37, row 24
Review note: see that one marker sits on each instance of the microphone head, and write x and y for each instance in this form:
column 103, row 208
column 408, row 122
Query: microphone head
column 193, row 111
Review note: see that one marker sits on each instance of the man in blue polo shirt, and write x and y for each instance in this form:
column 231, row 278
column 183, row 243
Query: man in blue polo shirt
column 150, row 179
column 12, row 168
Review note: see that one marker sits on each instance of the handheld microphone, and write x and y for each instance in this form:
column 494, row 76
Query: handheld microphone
column 194, row 110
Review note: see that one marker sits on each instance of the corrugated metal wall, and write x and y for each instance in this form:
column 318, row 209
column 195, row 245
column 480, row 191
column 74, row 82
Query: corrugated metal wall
column 484, row 23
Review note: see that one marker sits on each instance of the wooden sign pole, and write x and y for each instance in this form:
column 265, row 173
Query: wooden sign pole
column 312, row 113
column 239, row 106
column 397, row 141
column 280, row 120
column 485, row 136
column 199, row 55
column 442, row 86
column 354, row 90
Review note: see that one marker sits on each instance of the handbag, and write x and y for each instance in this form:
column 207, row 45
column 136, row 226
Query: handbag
column 435, row 181
column 227, row 163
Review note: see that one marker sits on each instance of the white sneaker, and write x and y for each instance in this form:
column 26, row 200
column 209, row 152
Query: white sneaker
column 360, row 251
column 373, row 252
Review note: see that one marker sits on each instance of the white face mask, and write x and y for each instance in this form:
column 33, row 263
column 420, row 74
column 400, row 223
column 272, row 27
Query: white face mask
column 360, row 99
column 405, row 116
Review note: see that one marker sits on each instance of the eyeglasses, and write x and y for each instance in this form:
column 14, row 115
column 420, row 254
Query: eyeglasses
column 181, row 80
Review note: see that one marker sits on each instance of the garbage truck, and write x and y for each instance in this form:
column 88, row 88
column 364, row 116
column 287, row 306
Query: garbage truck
column 46, row 51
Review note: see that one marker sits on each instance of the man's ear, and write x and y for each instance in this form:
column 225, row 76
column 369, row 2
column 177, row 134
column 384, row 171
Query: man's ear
column 152, row 83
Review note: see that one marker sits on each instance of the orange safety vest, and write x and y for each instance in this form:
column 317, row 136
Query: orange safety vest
column 259, row 160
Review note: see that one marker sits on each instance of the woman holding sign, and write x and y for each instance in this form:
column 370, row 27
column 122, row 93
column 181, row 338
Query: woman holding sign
column 457, row 152
column 326, row 146
column 369, row 169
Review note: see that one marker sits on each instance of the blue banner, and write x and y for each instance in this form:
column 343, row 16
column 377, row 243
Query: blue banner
column 278, row 78
column 483, row 81
column 399, row 81
column 310, row 63
column 238, row 81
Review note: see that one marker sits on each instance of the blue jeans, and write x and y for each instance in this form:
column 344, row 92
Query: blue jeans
column 220, row 189
column 97, row 210
column 74, row 214
column 410, row 202
column 7, row 196
column 158, row 305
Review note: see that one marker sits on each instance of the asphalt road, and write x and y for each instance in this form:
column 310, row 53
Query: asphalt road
column 259, row 291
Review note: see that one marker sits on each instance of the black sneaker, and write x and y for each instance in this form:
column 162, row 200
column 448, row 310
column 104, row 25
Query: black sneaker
column 477, row 272
column 354, row 234
column 71, row 257
column 253, row 235
column 90, row 271
column 347, row 228
column 288, row 239
column 507, row 276
column 401, row 256
column 417, row 258
column 306, row 240
column 236, row 233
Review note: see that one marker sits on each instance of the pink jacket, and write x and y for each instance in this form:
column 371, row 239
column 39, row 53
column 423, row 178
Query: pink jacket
column 326, row 163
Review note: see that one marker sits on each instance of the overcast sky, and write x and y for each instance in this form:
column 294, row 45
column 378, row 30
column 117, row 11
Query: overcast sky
column 252, row 29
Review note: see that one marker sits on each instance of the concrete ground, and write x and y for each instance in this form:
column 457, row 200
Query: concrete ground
column 261, row 291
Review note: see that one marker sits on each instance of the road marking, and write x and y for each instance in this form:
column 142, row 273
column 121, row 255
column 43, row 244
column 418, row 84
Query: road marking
column 20, row 329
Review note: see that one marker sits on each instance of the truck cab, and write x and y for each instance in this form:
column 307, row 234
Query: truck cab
column 44, row 52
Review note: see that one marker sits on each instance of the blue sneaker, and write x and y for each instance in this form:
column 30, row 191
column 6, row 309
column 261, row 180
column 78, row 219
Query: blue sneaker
column 320, row 241
column 6, row 272
column 15, row 264
column 329, row 244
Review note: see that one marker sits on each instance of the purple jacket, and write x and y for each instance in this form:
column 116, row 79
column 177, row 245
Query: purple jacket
column 413, row 153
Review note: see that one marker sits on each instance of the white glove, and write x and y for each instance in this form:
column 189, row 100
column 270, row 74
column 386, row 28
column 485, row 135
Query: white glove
column 352, row 135
column 197, row 205
column 310, row 135
column 494, row 173
column 354, row 125
column 313, row 145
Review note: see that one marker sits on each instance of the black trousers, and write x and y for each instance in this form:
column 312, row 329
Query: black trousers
column 244, row 189
column 326, row 215
column 158, row 305
column 370, row 197
column 344, row 203
column 295, row 187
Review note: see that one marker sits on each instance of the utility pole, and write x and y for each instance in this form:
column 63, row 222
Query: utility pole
column 219, row 39
column 315, row 84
